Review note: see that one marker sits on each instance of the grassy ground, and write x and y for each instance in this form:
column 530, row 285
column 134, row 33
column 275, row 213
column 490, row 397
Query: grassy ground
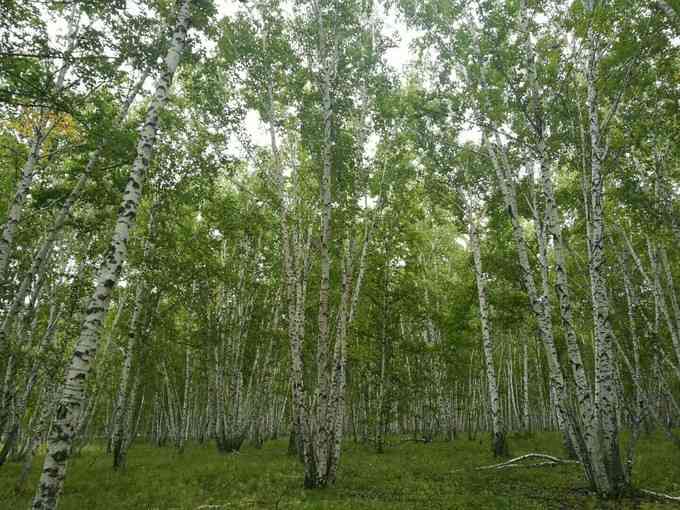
column 408, row 476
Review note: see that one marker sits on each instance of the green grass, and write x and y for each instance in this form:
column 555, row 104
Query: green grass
column 408, row 476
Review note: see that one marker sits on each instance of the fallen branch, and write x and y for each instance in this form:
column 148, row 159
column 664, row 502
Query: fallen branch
column 549, row 460
column 660, row 495
column 417, row 440
column 535, row 464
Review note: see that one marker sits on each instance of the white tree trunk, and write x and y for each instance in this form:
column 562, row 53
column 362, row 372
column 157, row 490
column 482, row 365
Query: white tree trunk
column 668, row 10
column 38, row 264
column 498, row 443
column 121, row 409
column 605, row 404
column 72, row 399
column 40, row 133
column 184, row 429
column 540, row 305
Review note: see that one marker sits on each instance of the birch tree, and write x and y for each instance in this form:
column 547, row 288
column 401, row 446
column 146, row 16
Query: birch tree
column 40, row 132
column 499, row 445
column 615, row 482
column 71, row 401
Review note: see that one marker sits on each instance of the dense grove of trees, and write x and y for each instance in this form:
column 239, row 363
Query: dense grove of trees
column 236, row 221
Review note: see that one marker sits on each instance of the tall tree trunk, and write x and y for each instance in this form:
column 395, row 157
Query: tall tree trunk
column 605, row 405
column 540, row 305
column 526, row 417
column 72, row 399
column 322, row 394
column 295, row 263
column 499, row 445
column 121, row 409
column 184, row 427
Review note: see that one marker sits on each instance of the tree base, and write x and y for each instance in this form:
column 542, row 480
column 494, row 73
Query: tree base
column 499, row 445
column 230, row 444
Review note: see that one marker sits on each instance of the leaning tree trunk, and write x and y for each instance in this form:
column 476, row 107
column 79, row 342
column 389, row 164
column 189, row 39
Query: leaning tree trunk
column 21, row 401
column 40, row 259
column 540, row 304
column 71, row 403
column 40, row 134
column 587, row 426
column 653, row 282
column 38, row 264
column 48, row 405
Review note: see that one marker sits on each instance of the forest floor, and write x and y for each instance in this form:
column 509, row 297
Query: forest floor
column 409, row 475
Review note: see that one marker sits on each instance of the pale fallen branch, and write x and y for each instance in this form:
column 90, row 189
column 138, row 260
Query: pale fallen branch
column 660, row 495
column 535, row 464
column 425, row 440
column 548, row 460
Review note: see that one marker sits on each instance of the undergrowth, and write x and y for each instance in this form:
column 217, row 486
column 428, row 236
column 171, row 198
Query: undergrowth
column 409, row 475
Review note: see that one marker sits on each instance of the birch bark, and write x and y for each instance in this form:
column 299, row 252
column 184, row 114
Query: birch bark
column 295, row 264
column 526, row 417
column 667, row 10
column 122, row 410
column 38, row 264
column 605, row 405
column 499, row 445
column 586, row 428
column 183, row 431
column 40, row 134
column 540, row 305
column 72, row 399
